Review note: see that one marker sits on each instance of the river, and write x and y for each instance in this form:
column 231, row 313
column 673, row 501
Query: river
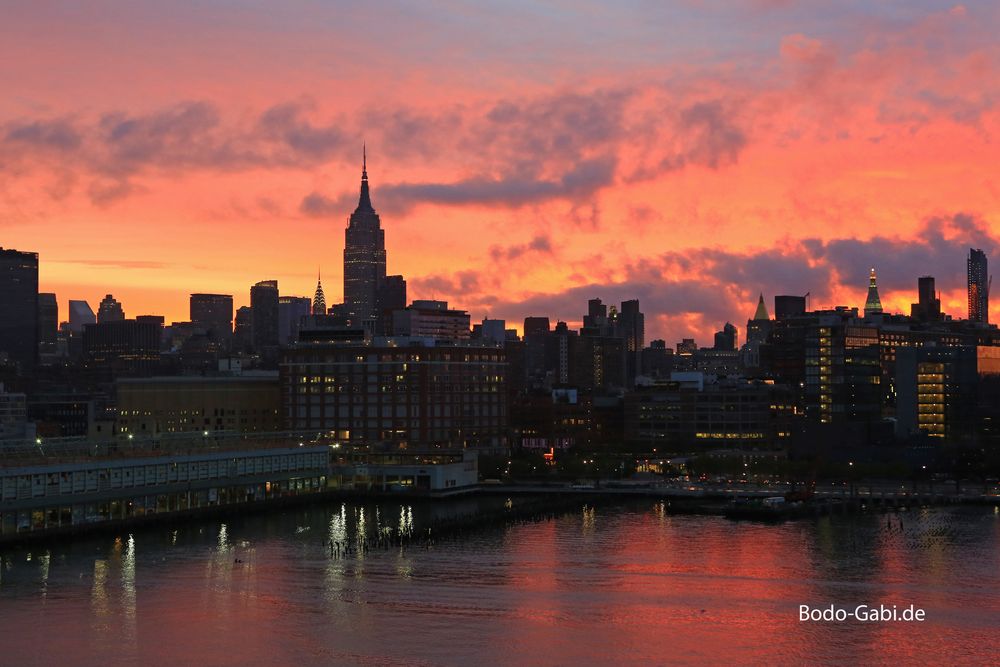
column 613, row 585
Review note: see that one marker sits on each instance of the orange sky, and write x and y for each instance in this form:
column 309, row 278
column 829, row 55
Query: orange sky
column 523, row 159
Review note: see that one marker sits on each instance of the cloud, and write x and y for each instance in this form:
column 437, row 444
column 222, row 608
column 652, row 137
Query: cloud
column 56, row 134
column 541, row 244
column 316, row 205
column 694, row 292
column 581, row 180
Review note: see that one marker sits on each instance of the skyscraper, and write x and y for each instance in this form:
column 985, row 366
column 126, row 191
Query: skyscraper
column 264, row 304
column 214, row 312
column 632, row 327
column 759, row 326
column 979, row 286
column 319, row 299
column 873, row 305
column 788, row 306
column 364, row 256
column 19, row 307
column 291, row 310
column 928, row 306
column 80, row 313
column 110, row 310
column 48, row 321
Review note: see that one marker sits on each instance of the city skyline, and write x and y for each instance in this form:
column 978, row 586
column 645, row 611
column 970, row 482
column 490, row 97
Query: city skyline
column 802, row 152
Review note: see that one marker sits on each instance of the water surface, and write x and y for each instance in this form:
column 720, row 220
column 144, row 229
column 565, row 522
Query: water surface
column 631, row 584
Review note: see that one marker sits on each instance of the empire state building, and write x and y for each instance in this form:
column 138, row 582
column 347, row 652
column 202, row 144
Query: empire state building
column 364, row 256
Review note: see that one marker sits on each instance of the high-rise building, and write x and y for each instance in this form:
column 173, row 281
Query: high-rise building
column 110, row 310
column 214, row 312
column 759, row 326
column 125, row 347
column 595, row 322
column 291, row 310
column 364, row 256
column 873, row 305
column 494, row 331
column 80, row 313
column 727, row 338
column 928, row 306
column 979, row 286
column 391, row 296
column 48, row 322
column 319, row 298
column 631, row 327
column 431, row 319
column 19, row 307
column 264, row 304
column 243, row 330
column 786, row 306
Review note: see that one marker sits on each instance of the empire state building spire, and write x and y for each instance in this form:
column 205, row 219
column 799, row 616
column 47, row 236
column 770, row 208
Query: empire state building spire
column 364, row 201
column 873, row 305
column 364, row 255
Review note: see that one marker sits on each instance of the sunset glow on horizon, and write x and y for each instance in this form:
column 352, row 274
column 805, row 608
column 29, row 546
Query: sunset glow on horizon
column 523, row 157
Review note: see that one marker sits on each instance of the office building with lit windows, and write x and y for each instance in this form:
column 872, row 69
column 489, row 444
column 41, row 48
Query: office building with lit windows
column 404, row 392
column 936, row 391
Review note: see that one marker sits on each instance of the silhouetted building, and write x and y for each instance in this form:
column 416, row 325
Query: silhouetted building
column 398, row 391
column 536, row 337
column 80, row 313
column 596, row 319
column 431, row 319
column 110, row 310
column 789, row 306
column 928, row 306
column 364, row 256
column 264, row 304
column 493, row 331
column 19, row 307
column 631, row 326
column 599, row 363
column 873, row 304
column 535, row 326
column 657, row 359
column 155, row 406
column 979, row 286
column 391, row 297
column 124, row 347
column 291, row 311
column 243, row 330
column 687, row 346
column 726, row 339
column 48, row 322
column 214, row 312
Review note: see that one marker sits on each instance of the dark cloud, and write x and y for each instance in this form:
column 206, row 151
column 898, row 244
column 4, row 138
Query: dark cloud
column 316, row 205
column 937, row 249
column 582, row 180
column 540, row 244
column 288, row 125
column 696, row 291
column 59, row 134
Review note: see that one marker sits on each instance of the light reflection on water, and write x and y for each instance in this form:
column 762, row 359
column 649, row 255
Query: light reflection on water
column 598, row 586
